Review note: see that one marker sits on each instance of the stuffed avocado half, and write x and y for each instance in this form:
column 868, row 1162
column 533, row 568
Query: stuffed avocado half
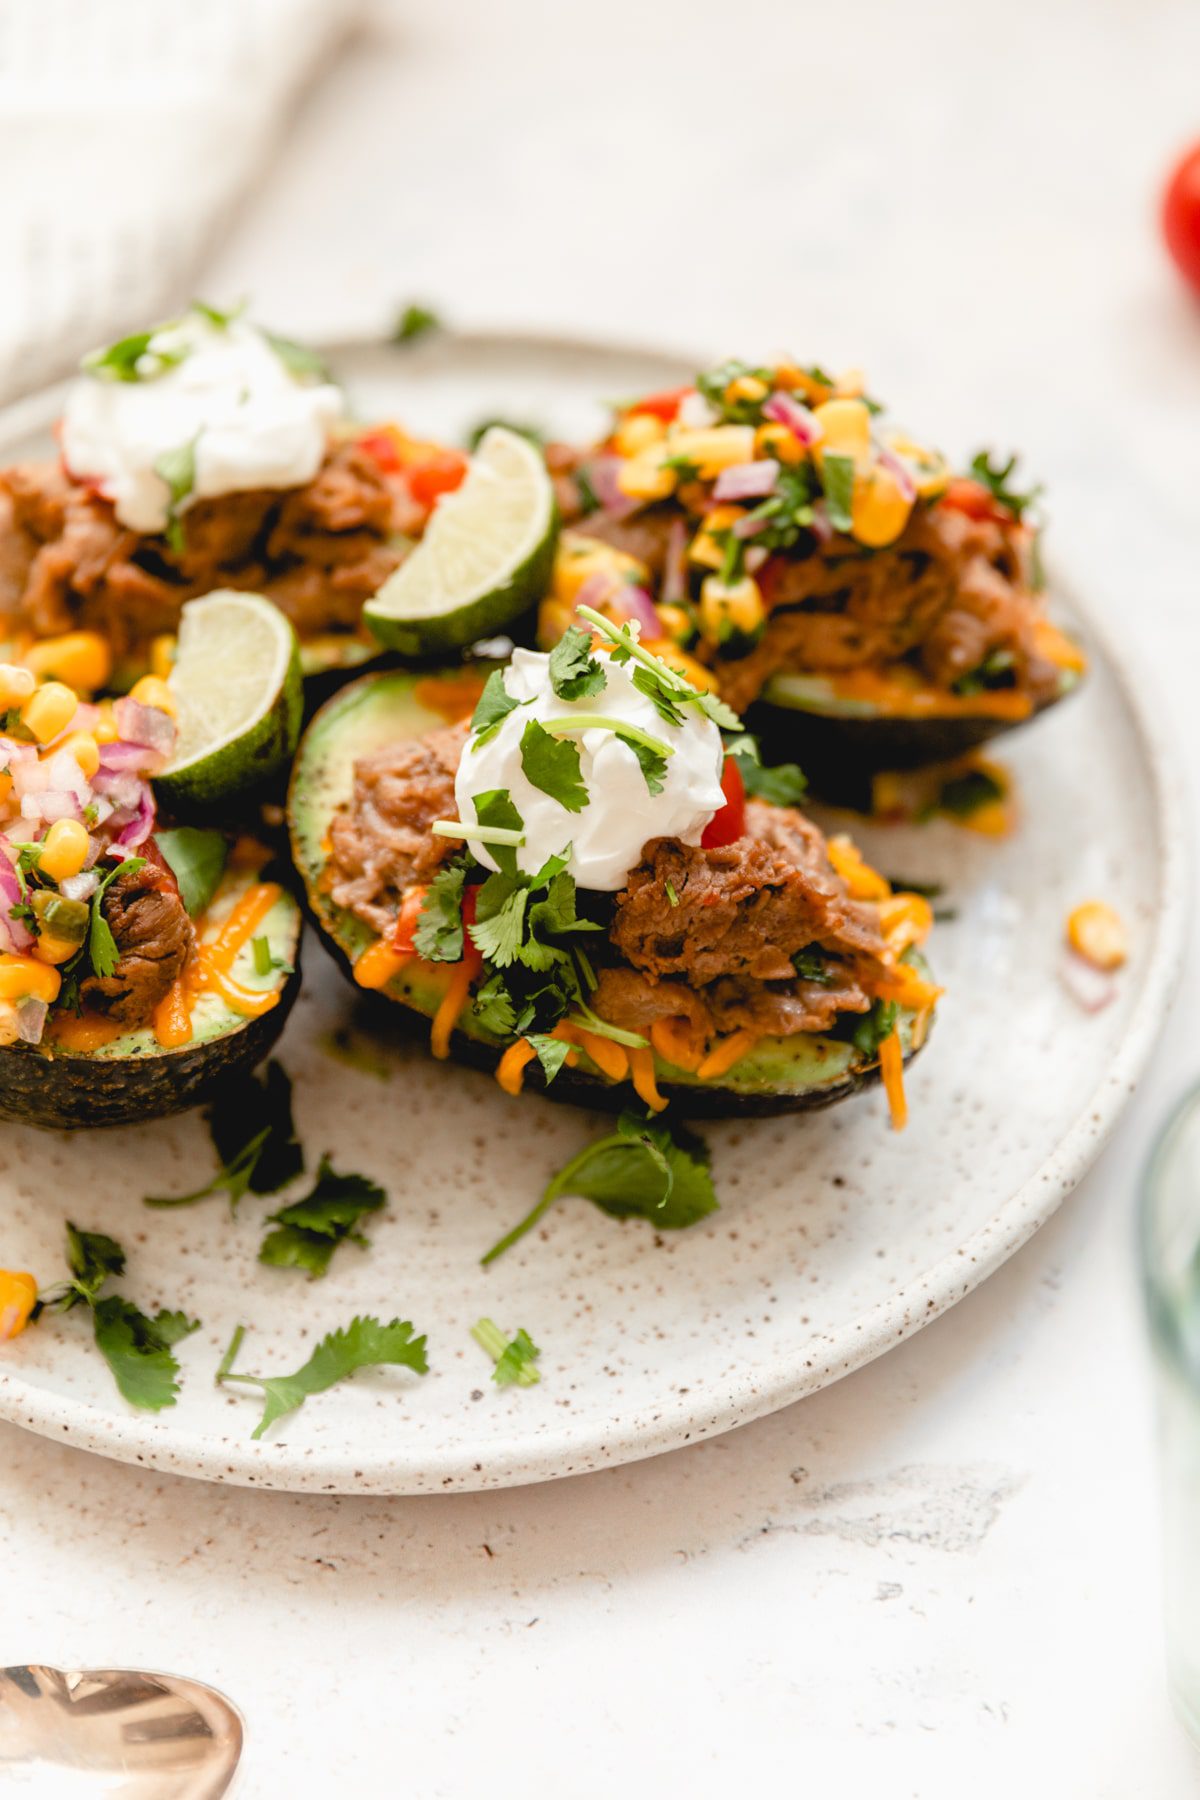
column 138, row 965
column 631, row 983
column 863, row 606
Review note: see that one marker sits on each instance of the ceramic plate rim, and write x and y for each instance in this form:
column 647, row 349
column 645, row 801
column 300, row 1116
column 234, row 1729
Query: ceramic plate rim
column 677, row 1419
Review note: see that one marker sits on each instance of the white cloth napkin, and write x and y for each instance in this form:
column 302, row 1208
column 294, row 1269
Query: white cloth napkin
column 128, row 129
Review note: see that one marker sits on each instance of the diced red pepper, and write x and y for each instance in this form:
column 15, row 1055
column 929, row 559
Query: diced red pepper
column 971, row 497
column 768, row 578
column 664, row 406
column 470, row 900
column 382, row 447
column 728, row 825
column 439, row 474
column 406, row 921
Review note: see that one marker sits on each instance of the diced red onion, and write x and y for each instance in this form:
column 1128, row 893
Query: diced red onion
column 65, row 773
column 755, row 557
column 50, row 806
column 124, row 790
column 695, row 414
column 748, row 526
column 784, row 409
column 147, row 725
column 747, row 481
column 16, row 933
column 31, row 1019
column 602, row 474
column 900, row 470
column 820, row 527
column 674, row 579
column 79, row 887
column 635, row 603
column 120, row 755
column 598, row 589
column 141, row 825
column 1092, row 989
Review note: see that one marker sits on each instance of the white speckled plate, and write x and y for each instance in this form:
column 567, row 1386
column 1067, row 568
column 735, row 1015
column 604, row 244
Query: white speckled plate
column 835, row 1240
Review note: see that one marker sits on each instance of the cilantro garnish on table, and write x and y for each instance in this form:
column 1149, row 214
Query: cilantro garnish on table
column 363, row 1344
column 137, row 1348
column 250, row 1121
column 639, row 1171
column 308, row 1231
column 514, row 1357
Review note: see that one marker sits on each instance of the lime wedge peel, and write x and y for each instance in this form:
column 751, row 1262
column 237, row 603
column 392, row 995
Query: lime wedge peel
column 485, row 558
column 239, row 691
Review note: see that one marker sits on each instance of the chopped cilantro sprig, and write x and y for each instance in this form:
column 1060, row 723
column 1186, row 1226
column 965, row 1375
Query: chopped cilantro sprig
column 138, row 1348
column 514, row 1357
column 363, row 1344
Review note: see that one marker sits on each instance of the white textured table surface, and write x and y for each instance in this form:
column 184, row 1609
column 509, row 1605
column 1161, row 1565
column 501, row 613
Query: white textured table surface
column 939, row 1577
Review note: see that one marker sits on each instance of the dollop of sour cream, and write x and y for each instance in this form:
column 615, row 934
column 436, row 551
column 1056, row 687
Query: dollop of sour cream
column 606, row 836
column 249, row 420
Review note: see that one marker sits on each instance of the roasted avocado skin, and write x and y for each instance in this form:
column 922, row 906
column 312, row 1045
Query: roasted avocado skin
column 362, row 716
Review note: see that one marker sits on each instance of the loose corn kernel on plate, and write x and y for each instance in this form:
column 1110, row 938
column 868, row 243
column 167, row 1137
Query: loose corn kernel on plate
column 835, row 1239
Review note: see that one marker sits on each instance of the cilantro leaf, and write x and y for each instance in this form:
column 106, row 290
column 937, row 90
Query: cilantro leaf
column 837, row 476
column 177, row 468
column 310, row 1229
column 810, row 965
column 123, row 360
column 552, row 765
column 493, row 1007
column 414, row 321
column 499, row 927
column 138, row 1351
column 197, row 860
column 301, row 363
column 92, row 1258
column 102, row 949
column 439, row 931
column 877, row 1025
column 364, row 1343
column 217, row 317
column 552, row 1052
column 783, row 784
column 171, row 1327
column 647, row 682
column 652, row 765
column 494, row 807
column 640, row 1170
column 575, row 674
column 514, row 1359
column 998, row 483
column 493, row 707
column 250, row 1121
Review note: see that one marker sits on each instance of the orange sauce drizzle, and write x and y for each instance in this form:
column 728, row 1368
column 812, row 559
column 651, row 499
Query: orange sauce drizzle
column 84, row 1031
column 173, row 1018
column 891, row 1067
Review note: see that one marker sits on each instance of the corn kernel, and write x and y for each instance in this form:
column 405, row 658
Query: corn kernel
column 86, row 751
column 646, row 478
column 18, row 1292
column 1097, row 933
column 64, row 849
column 24, row 978
column 16, row 685
column 773, row 439
column 880, row 509
column 713, row 449
column 49, row 711
column 845, row 429
column 5, row 785
column 677, row 622
column 162, row 655
column 927, row 467
column 746, row 387
column 152, row 690
column 105, row 729
column 81, row 659
column 637, row 432
column 704, row 548
column 53, row 950
column 736, row 607
column 850, row 385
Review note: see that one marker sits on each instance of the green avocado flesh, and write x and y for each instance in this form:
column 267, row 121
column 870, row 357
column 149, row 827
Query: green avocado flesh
column 778, row 1075
column 132, row 1077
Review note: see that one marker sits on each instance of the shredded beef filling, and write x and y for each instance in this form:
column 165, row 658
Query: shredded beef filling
column 381, row 843
column 719, row 954
column 153, row 935
column 945, row 596
column 318, row 551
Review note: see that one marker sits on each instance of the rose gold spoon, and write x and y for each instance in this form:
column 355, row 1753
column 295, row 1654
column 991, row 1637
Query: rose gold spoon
column 123, row 1734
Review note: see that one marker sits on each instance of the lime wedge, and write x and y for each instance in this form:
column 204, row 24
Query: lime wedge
column 238, row 688
column 485, row 557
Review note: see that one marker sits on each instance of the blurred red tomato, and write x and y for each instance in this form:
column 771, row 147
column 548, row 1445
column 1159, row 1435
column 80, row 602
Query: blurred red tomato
column 1181, row 216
